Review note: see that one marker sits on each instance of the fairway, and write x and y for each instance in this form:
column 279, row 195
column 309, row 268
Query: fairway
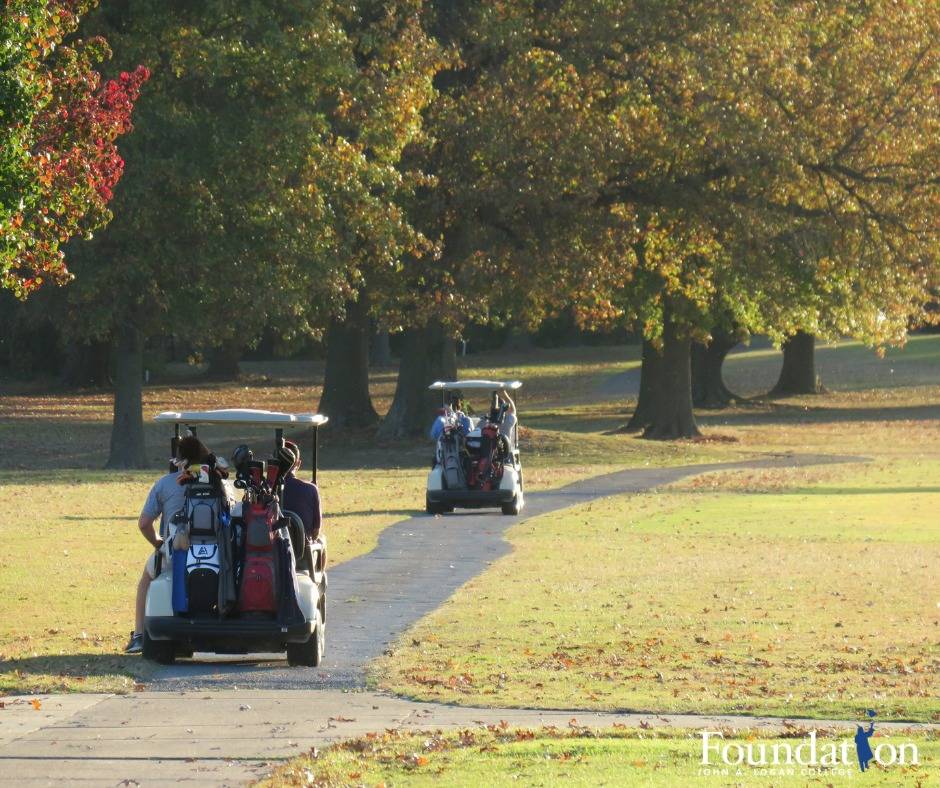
column 795, row 548
column 791, row 600
column 85, row 531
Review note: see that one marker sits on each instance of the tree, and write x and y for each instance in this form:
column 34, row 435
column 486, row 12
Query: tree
column 781, row 157
column 259, row 168
column 346, row 382
column 395, row 65
column 798, row 374
column 708, row 385
column 58, row 127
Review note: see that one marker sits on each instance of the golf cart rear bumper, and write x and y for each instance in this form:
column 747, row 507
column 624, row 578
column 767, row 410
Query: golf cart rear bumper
column 471, row 499
column 246, row 631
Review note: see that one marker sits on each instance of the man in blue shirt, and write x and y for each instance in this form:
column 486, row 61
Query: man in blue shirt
column 451, row 415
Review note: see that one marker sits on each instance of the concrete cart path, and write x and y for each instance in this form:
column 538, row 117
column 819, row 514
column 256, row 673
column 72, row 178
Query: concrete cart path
column 417, row 565
column 234, row 737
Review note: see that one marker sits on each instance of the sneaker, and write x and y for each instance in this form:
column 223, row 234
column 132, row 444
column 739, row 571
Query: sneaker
column 136, row 644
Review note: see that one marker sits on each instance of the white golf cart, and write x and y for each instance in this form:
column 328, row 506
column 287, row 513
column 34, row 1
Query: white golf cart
column 237, row 526
column 476, row 463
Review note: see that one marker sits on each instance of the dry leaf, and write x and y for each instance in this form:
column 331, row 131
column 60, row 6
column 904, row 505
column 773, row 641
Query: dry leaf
column 36, row 703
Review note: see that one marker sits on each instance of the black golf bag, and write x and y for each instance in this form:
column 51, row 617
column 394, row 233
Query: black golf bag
column 453, row 452
column 208, row 558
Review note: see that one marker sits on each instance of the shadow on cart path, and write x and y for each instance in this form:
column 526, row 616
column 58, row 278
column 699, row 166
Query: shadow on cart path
column 417, row 564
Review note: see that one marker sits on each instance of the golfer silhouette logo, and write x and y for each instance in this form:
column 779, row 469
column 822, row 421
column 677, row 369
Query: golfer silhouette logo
column 862, row 747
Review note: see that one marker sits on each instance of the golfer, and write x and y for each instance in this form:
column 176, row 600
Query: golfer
column 166, row 498
column 509, row 421
column 452, row 414
column 300, row 497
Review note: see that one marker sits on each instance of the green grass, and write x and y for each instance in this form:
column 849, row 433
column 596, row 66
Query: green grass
column 83, row 536
column 54, row 441
column 76, row 532
column 813, row 598
column 503, row 756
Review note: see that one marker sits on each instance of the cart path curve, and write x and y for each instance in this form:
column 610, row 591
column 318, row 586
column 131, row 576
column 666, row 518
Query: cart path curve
column 417, row 565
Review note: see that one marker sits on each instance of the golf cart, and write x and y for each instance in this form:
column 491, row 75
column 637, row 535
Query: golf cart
column 475, row 465
column 238, row 574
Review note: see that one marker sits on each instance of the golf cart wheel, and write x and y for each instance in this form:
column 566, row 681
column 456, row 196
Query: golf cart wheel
column 160, row 651
column 513, row 507
column 310, row 653
column 432, row 507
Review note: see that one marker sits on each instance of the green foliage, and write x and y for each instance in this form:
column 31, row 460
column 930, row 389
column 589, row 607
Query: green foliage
column 58, row 124
column 777, row 161
column 264, row 174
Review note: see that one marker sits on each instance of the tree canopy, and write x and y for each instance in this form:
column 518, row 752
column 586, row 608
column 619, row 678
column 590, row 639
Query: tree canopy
column 681, row 167
column 58, row 125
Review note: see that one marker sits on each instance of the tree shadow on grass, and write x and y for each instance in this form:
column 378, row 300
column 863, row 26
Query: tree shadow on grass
column 814, row 491
column 757, row 412
column 52, row 672
column 378, row 510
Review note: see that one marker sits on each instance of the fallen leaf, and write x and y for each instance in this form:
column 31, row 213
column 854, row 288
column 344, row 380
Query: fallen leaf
column 36, row 703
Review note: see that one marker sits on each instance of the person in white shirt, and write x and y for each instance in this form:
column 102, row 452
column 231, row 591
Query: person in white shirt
column 509, row 423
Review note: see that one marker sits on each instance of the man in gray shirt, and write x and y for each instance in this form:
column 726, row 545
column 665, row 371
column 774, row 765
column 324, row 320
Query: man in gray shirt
column 166, row 498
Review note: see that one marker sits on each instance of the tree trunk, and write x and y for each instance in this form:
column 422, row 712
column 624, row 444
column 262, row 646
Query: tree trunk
column 127, row 429
column 346, row 398
column 650, row 381
column 798, row 374
column 672, row 408
column 427, row 354
column 87, row 365
column 223, row 360
column 708, row 385
column 380, row 351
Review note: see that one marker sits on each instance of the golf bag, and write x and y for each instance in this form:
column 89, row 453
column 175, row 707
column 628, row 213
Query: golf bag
column 288, row 605
column 487, row 471
column 199, row 524
column 257, row 593
column 452, row 457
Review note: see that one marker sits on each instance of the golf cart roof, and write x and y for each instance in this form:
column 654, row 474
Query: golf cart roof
column 260, row 418
column 478, row 385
